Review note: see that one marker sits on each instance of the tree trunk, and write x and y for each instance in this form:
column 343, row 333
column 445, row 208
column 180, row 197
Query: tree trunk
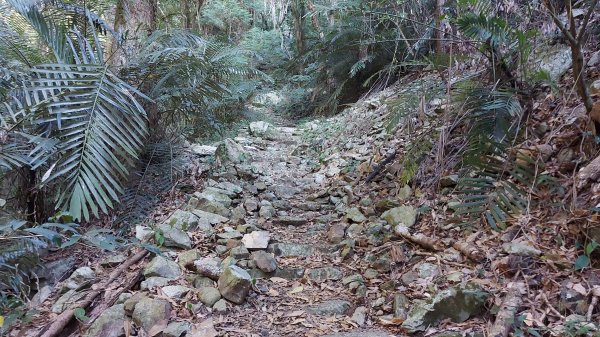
column 116, row 55
column 579, row 75
column 298, row 14
column 195, row 23
column 439, row 46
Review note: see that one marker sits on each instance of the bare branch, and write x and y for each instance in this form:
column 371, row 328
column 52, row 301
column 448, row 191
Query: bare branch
column 558, row 23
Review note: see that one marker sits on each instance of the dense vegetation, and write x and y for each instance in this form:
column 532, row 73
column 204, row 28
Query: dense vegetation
column 93, row 93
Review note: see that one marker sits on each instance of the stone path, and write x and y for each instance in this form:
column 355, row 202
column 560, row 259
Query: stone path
column 254, row 253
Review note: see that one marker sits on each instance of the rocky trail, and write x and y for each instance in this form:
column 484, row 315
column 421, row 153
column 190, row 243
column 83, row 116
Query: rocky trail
column 282, row 241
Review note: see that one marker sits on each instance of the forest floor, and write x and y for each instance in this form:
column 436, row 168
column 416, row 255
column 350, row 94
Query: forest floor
column 323, row 253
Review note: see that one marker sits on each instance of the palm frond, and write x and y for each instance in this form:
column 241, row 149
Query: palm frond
column 94, row 125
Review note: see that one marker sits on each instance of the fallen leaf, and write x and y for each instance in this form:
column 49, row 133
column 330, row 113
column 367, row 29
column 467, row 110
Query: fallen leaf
column 295, row 313
column 204, row 329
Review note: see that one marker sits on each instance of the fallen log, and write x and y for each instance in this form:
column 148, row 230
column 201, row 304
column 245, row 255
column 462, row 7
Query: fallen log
column 60, row 322
column 506, row 317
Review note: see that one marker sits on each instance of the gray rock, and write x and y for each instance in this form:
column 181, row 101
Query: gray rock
column 110, row 323
column 230, row 234
column 234, row 284
column 67, row 300
column 400, row 306
column 287, row 273
column 123, row 297
column 264, row 261
column 449, row 180
column 209, row 296
column 256, row 240
column 175, row 291
column 325, row 273
column 456, row 304
column 329, row 308
column 336, row 233
column 404, row 193
column 556, row 60
column 202, row 281
column 203, row 150
column 355, row 215
column 182, row 220
column 263, row 129
column 163, row 267
column 521, row 248
column 41, row 296
column 229, row 187
column 81, row 277
column 220, row 306
column 292, row 249
column 209, row 206
column 211, row 218
column 352, row 278
column 213, row 195
column 143, row 233
column 154, row 282
column 428, row 270
column 177, row 329
column 354, row 230
column 266, row 211
column 239, row 252
column 290, row 221
column 406, row 215
column 149, row 312
column 187, row 258
column 175, row 237
column 359, row 316
column 251, row 205
column 231, row 151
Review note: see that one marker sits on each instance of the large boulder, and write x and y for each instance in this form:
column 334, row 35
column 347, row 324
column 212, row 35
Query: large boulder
column 231, row 151
column 234, row 284
column 456, row 304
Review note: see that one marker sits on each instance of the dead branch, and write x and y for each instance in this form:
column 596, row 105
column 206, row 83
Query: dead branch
column 468, row 250
column 60, row 322
column 418, row 239
column 505, row 319
column 381, row 166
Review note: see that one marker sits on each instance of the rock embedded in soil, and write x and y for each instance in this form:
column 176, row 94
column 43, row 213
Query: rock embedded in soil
column 209, row 295
column 175, row 291
column 330, row 308
column 67, row 300
column 325, row 273
column 264, row 261
column 208, row 267
column 220, row 306
column 521, row 248
column 234, row 284
column 143, row 233
column 81, row 277
column 109, row 324
column 355, row 215
column 456, row 304
column 175, row 237
column 256, row 240
column 154, row 282
column 336, row 233
column 406, row 215
column 149, row 312
column 290, row 221
column 177, row 329
column 113, row 260
column 162, row 267
column 359, row 316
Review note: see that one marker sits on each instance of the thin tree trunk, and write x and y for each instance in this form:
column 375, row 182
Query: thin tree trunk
column 298, row 14
column 116, row 54
column 439, row 46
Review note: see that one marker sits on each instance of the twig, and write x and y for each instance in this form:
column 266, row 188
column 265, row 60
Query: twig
column 552, row 309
